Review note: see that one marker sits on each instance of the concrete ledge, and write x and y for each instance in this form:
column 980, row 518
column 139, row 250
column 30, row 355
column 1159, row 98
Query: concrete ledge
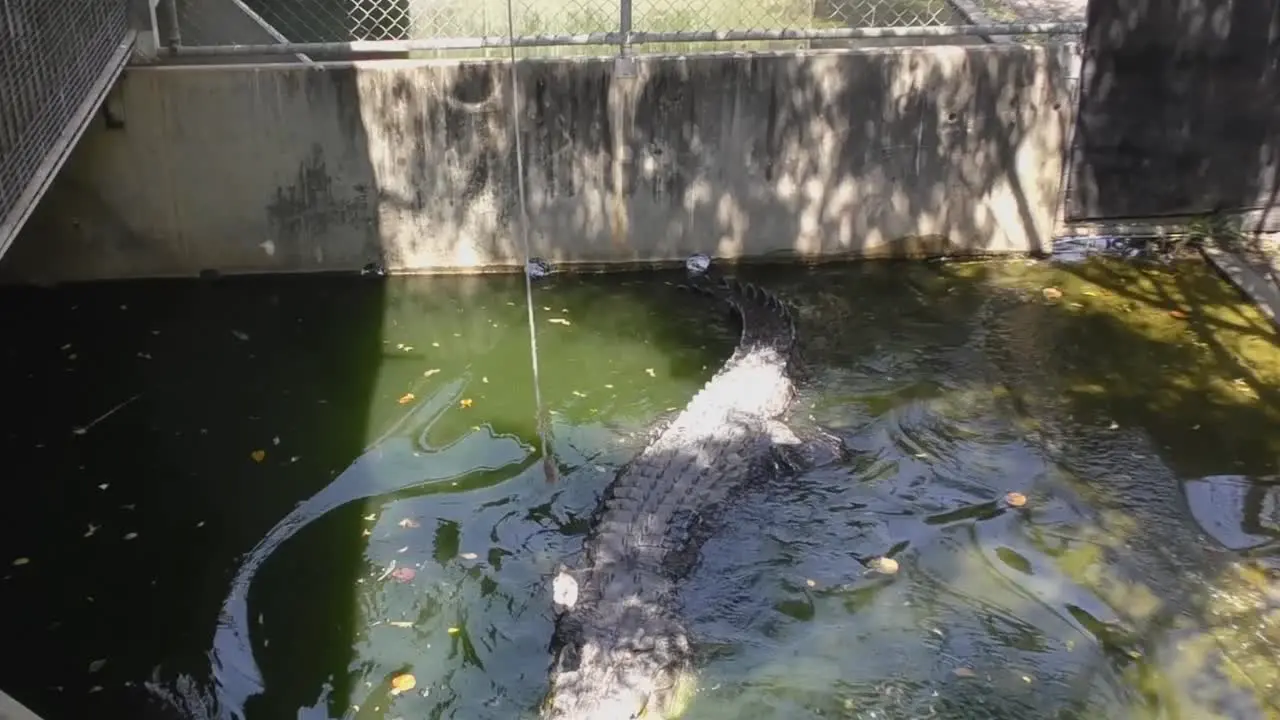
column 923, row 151
column 11, row 709
column 1256, row 286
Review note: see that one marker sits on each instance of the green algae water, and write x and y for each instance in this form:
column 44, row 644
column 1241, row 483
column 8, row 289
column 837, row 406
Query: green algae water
column 280, row 497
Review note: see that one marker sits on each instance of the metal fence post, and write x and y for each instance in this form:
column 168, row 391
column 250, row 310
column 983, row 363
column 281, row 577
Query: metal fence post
column 624, row 26
column 142, row 19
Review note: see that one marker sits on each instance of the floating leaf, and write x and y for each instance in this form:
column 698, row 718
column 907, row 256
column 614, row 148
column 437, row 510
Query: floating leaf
column 403, row 683
column 963, row 672
column 1015, row 499
column 19, row 562
column 406, row 398
column 408, row 523
column 1178, row 314
column 465, row 402
column 96, row 665
column 1051, row 293
column 558, row 321
column 258, row 455
column 650, row 371
column 404, row 574
column 430, row 372
column 468, row 556
column 886, row 565
column 454, row 630
column 130, row 536
column 400, row 624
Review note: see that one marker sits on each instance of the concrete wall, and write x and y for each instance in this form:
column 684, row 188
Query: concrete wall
column 920, row 151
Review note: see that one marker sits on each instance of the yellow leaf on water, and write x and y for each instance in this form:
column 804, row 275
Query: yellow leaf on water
column 650, row 371
column 430, row 372
column 258, row 455
column 558, row 321
column 465, row 402
column 886, row 565
column 406, row 398
column 403, row 683
column 1015, row 499
column 454, row 631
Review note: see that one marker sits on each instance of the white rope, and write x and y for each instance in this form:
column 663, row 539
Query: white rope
column 548, row 463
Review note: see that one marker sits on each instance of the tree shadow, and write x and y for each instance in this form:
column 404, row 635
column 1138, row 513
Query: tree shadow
column 1152, row 385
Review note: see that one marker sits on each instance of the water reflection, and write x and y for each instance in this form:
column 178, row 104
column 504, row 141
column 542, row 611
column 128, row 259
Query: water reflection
column 1241, row 512
column 1126, row 428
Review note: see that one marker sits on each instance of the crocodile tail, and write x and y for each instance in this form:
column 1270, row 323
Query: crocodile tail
column 767, row 321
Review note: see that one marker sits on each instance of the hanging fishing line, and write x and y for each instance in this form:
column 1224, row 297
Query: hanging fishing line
column 548, row 463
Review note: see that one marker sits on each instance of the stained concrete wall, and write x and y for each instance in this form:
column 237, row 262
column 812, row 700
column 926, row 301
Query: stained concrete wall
column 937, row 150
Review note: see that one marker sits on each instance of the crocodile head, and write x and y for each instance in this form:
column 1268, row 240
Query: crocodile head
column 618, row 676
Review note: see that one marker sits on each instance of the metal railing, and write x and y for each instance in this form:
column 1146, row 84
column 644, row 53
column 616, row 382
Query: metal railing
column 52, row 58
column 435, row 27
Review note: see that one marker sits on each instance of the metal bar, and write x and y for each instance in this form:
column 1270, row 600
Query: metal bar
column 636, row 38
column 624, row 26
column 175, row 31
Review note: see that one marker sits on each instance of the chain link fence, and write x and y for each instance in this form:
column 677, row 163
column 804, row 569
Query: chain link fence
column 336, row 21
column 52, row 57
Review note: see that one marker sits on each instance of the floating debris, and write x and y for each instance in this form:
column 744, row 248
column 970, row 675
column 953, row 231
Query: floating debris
column 86, row 428
column 373, row 269
column 1015, row 499
column 403, row 683
column 1051, row 293
column 404, row 574
column 558, row 321
column 537, row 268
column 697, row 264
column 258, row 455
column 406, row 398
column 408, row 523
column 19, row 562
column 465, row 402
column 886, row 565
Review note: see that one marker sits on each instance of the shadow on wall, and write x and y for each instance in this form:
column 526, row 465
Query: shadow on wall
column 1179, row 109
column 940, row 150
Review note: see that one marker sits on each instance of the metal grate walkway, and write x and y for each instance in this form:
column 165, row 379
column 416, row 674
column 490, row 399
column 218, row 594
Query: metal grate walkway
column 58, row 58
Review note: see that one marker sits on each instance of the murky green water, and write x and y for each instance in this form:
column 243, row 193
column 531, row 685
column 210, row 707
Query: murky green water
column 317, row 484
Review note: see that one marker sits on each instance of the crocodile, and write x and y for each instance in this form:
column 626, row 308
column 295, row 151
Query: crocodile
column 619, row 648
